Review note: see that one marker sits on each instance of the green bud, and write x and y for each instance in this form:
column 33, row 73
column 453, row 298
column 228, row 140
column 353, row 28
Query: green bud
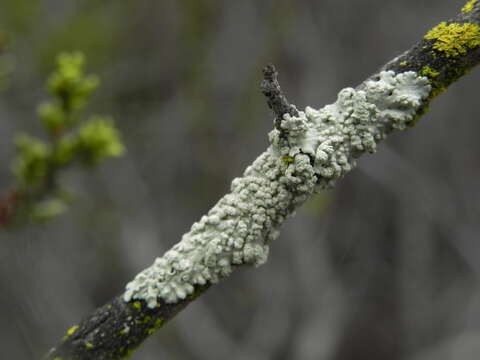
column 65, row 150
column 48, row 209
column 68, row 82
column 99, row 139
column 52, row 117
column 31, row 163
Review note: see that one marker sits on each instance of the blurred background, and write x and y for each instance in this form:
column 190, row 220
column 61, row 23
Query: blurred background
column 385, row 266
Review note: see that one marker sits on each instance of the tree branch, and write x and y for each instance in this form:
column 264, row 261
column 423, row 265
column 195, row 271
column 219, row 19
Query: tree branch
column 308, row 149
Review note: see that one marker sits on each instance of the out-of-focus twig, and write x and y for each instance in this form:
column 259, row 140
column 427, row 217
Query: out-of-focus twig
column 37, row 195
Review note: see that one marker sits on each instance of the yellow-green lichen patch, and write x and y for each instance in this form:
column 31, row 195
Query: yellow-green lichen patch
column 288, row 159
column 71, row 331
column 454, row 39
column 89, row 345
column 157, row 325
column 469, row 6
column 429, row 72
column 403, row 63
column 137, row 305
column 129, row 353
column 437, row 91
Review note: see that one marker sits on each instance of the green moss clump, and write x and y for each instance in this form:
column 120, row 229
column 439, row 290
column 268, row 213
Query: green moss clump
column 157, row 325
column 469, row 6
column 429, row 72
column 137, row 305
column 454, row 39
column 288, row 159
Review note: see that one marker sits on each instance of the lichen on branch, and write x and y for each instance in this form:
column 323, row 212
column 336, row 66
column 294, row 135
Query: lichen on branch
column 322, row 146
column 454, row 39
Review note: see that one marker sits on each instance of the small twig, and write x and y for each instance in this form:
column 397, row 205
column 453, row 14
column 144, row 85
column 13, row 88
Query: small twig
column 275, row 98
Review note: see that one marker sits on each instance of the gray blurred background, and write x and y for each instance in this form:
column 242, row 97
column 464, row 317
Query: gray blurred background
column 385, row 266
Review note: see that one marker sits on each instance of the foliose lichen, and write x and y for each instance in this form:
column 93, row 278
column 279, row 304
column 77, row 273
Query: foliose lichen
column 306, row 152
column 236, row 230
column 338, row 133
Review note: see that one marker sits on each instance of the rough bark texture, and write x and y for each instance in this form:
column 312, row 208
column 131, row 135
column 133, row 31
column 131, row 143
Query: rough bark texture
column 441, row 69
column 275, row 98
column 116, row 329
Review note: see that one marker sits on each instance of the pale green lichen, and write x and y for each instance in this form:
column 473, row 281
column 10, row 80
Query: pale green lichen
column 354, row 124
column 469, row 6
column 320, row 146
column 454, row 39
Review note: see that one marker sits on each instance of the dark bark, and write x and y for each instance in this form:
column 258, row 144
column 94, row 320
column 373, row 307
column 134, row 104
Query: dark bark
column 114, row 330
column 275, row 98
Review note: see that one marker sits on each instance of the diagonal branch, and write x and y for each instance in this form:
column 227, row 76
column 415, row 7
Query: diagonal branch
column 308, row 150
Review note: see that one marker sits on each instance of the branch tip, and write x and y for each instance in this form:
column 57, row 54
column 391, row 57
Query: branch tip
column 275, row 98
